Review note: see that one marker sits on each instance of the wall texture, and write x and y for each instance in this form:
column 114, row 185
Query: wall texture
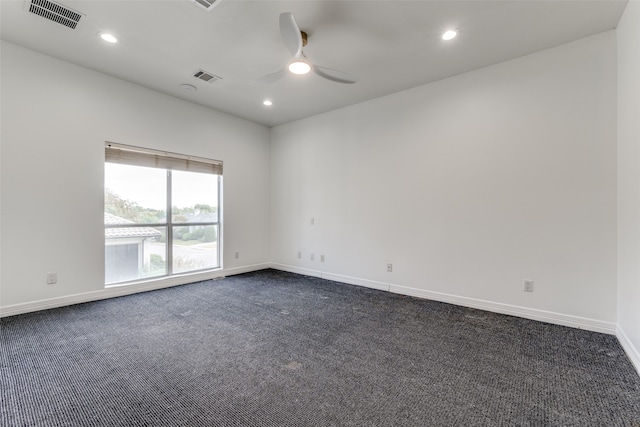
column 55, row 119
column 629, row 181
column 467, row 186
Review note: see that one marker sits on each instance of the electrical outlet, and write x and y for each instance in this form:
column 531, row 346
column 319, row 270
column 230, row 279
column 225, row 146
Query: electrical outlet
column 237, row 254
column 321, row 258
column 313, row 257
column 52, row 278
column 299, row 255
column 528, row 285
column 389, row 268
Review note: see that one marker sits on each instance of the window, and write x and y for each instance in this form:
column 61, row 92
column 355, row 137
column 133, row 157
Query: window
column 161, row 214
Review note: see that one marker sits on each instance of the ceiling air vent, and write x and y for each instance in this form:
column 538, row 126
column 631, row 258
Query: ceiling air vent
column 207, row 77
column 55, row 12
column 207, row 4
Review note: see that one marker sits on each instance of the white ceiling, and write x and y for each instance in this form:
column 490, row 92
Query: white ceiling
column 388, row 45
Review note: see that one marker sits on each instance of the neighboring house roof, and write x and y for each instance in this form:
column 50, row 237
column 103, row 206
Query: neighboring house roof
column 126, row 232
column 202, row 217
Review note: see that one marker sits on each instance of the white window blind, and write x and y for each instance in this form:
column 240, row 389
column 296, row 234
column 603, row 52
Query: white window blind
column 136, row 156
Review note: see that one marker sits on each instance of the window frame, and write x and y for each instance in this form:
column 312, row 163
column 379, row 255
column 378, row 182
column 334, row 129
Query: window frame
column 143, row 157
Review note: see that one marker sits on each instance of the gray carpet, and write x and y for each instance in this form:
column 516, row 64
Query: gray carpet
column 277, row 349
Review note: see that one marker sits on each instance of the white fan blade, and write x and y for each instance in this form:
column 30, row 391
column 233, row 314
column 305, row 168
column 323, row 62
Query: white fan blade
column 270, row 78
column 334, row 75
column 290, row 33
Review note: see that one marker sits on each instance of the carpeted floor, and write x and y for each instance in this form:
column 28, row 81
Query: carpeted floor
column 277, row 349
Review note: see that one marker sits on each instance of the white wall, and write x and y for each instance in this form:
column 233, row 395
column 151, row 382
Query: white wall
column 629, row 181
column 468, row 186
column 55, row 119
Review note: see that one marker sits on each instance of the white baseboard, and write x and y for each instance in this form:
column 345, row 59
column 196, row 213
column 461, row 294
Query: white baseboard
column 245, row 269
column 121, row 290
column 629, row 348
column 296, row 270
column 329, row 276
column 356, row 281
column 513, row 310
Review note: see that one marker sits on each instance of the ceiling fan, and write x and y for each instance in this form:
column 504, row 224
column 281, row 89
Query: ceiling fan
column 295, row 40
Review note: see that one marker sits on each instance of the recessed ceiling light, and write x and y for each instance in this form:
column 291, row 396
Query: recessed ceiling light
column 449, row 34
column 188, row 87
column 267, row 102
column 108, row 38
column 299, row 66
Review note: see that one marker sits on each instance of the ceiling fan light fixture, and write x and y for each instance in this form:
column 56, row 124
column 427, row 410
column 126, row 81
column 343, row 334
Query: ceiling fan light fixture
column 108, row 38
column 449, row 35
column 299, row 66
